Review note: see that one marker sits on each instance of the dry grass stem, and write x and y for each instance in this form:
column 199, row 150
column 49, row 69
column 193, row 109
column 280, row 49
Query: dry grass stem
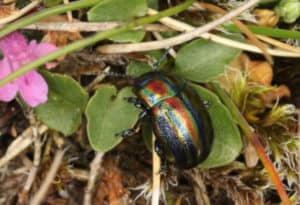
column 238, row 23
column 155, row 175
column 69, row 13
column 157, row 35
column 279, row 44
column 97, row 80
column 199, row 186
column 194, row 33
column 20, row 13
column 20, row 144
column 36, row 162
column 94, row 172
column 79, row 174
column 42, row 191
column 89, row 26
column 183, row 27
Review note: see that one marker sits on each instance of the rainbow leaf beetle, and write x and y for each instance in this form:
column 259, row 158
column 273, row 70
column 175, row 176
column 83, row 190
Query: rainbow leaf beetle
column 179, row 118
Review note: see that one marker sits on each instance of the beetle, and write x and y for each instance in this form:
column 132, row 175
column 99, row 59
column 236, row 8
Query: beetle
column 179, row 118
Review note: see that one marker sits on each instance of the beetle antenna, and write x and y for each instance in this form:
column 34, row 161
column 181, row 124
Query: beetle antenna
column 160, row 60
column 118, row 75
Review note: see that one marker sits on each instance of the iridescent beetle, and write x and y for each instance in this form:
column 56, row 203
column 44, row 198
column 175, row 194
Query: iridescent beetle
column 179, row 118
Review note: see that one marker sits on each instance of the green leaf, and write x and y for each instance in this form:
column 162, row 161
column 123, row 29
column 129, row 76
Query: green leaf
column 227, row 142
column 117, row 10
column 65, row 105
column 132, row 36
column 137, row 68
column 203, row 60
column 108, row 114
column 153, row 4
column 120, row 10
column 147, row 131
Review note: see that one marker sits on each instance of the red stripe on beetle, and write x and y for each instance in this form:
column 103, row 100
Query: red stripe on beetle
column 158, row 87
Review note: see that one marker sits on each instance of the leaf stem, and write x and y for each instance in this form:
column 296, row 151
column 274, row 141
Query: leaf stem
column 253, row 138
column 88, row 41
column 45, row 13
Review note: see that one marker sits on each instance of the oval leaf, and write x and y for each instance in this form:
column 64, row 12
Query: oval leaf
column 65, row 105
column 203, row 60
column 117, row 10
column 108, row 115
column 227, row 142
column 137, row 68
column 132, row 36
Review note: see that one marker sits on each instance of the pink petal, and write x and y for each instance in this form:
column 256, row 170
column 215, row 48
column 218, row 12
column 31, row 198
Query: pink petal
column 41, row 49
column 8, row 92
column 33, row 88
column 5, row 67
column 13, row 44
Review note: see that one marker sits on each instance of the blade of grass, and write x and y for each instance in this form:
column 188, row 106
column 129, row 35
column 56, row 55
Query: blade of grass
column 272, row 32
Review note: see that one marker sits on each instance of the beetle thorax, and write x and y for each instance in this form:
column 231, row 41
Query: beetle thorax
column 153, row 88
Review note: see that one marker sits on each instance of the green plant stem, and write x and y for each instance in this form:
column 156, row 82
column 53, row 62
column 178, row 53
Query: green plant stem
column 272, row 32
column 253, row 138
column 88, row 41
column 45, row 13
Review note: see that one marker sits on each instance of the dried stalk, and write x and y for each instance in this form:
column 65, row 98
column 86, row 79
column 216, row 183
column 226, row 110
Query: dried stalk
column 183, row 27
column 19, row 13
column 20, row 144
column 89, row 26
column 94, row 173
column 155, row 175
column 42, row 191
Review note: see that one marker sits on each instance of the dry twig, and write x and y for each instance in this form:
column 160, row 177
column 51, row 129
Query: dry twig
column 279, row 44
column 183, row 27
column 194, row 33
column 94, row 172
column 155, row 175
column 40, row 195
column 69, row 13
column 36, row 162
column 20, row 13
column 89, row 26
column 238, row 23
column 20, row 144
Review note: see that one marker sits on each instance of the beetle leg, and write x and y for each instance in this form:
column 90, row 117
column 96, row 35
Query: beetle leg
column 132, row 131
column 137, row 103
column 161, row 59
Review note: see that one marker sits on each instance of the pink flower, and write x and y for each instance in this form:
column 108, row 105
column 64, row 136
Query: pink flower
column 16, row 52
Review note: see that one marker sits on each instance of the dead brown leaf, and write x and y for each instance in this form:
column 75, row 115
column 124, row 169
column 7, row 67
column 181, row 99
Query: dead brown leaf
column 56, row 201
column 61, row 38
column 261, row 72
column 7, row 10
column 279, row 92
column 266, row 17
column 110, row 190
